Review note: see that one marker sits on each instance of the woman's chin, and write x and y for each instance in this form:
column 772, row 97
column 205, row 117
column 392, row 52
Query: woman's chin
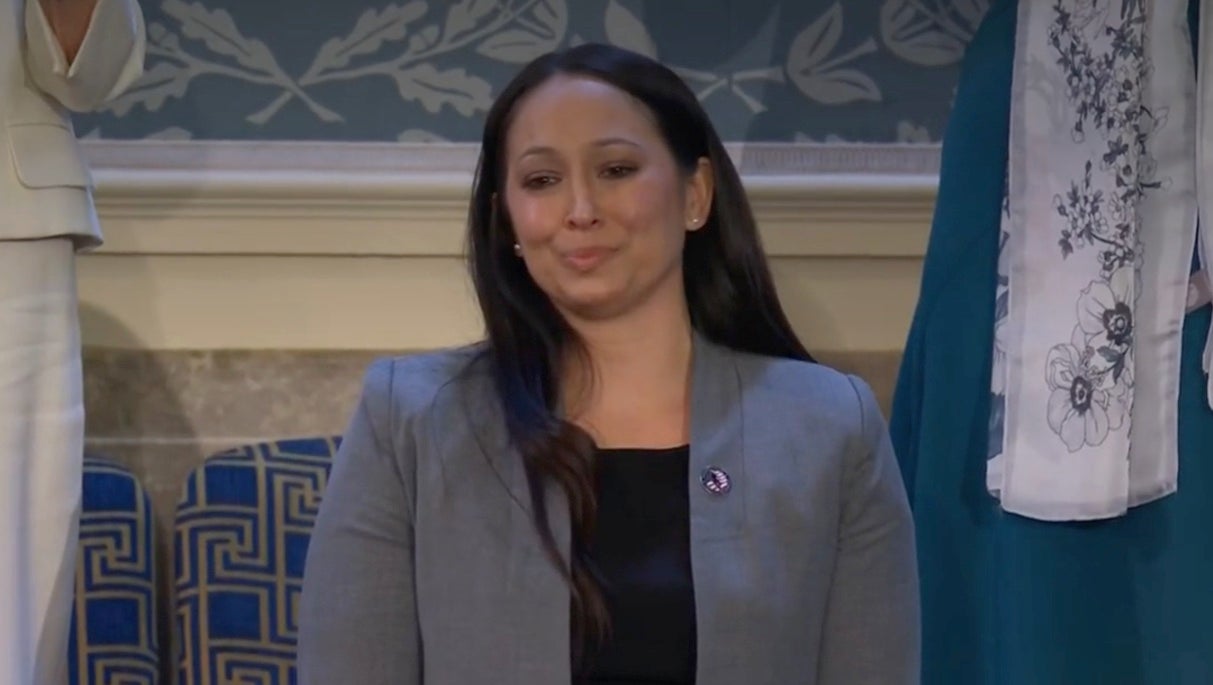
column 592, row 301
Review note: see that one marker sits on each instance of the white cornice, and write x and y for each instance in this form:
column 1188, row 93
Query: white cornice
column 385, row 199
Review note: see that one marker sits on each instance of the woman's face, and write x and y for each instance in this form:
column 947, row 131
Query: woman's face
column 599, row 207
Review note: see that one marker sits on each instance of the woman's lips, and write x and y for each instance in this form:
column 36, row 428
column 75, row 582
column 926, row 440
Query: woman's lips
column 586, row 258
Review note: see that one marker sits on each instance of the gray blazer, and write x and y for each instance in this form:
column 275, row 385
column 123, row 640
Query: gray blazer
column 424, row 567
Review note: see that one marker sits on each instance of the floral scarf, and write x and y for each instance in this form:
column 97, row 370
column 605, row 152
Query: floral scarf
column 1094, row 272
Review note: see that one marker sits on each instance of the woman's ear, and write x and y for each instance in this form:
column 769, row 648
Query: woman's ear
column 700, row 188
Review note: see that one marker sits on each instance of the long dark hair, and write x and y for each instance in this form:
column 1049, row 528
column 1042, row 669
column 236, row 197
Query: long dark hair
column 729, row 290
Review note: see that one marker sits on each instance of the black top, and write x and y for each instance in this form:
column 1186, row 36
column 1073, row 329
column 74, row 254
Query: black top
column 641, row 551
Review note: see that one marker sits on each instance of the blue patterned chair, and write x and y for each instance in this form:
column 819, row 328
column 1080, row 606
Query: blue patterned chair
column 240, row 541
column 113, row 633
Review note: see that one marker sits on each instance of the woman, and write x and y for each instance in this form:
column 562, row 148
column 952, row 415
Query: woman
column 1008, row 599
column 56, row 57
column 640, row 476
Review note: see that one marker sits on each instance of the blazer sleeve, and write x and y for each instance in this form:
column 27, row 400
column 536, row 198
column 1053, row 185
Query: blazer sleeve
column 109, row 61
column 871, row 634
column 358, row 612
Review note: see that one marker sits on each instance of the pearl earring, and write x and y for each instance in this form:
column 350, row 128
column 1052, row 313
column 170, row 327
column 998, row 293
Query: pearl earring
column 517, row 249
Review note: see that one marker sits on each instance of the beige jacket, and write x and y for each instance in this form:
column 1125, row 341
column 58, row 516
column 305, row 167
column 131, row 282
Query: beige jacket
column 44, row 182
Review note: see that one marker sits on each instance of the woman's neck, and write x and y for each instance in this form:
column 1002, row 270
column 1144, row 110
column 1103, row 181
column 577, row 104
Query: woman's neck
column 631, row 386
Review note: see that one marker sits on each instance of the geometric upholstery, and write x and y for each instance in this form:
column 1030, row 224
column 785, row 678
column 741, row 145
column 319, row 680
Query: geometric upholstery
column 240, row 540
column 112, row 639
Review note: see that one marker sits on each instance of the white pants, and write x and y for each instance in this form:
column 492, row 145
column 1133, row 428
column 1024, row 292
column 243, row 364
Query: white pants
column 41, row 450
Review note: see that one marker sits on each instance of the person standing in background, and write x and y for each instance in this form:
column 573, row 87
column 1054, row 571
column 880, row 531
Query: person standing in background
column 56, row 56
column 1053, row 598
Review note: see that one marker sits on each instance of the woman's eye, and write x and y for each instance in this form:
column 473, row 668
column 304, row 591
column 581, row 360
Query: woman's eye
column 538, row 181
column 618, row 170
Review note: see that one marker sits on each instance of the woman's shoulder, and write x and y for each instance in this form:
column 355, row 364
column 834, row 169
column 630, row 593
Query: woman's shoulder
column 810, row 379
column 809, row 389
column 410, row 383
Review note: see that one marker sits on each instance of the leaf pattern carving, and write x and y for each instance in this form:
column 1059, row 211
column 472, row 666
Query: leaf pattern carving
column 431, row 56
column 815, row 69
column 465, row 93
column 373, row 30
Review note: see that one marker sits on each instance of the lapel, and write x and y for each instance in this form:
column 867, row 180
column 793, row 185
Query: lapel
column 718, row 430
column 536, row 602
column 538, row 595
column 531, row 633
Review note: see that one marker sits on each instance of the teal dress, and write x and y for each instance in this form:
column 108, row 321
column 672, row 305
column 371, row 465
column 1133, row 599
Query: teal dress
column 1008, row 600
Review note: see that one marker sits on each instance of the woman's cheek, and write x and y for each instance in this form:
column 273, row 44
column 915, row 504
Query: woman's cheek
column 532, row 218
